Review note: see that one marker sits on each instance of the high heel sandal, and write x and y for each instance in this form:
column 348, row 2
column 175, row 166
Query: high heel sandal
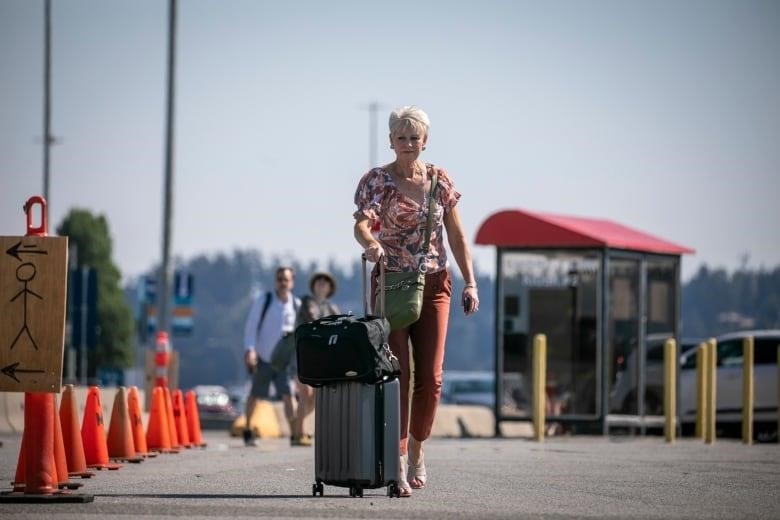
column 404, row 489
column 417, row 476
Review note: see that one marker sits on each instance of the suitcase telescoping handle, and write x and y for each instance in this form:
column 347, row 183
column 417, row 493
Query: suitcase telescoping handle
column 366, row 285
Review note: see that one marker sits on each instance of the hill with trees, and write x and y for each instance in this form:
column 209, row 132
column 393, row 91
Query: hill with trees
column 713, row 301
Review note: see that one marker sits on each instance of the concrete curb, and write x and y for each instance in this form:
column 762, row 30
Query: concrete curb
column 12, row 407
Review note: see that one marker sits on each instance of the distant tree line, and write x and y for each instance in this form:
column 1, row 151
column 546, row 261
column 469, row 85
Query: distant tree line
column 715, row 302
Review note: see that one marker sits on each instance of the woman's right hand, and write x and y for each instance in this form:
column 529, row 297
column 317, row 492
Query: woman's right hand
column 374, row 252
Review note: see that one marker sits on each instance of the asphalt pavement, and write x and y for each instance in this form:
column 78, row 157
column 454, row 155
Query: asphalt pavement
column 564, row 477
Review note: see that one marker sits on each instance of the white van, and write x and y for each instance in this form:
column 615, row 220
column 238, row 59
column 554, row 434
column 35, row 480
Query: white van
column 729, row 378
column 467, row 387
column 623, row 394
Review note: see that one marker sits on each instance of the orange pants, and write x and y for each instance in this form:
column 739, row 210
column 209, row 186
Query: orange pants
column 427, row 338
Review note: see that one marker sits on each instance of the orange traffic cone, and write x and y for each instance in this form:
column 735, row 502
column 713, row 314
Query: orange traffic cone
column 120, row 433
column 171, row 421
column 93, row 433
column 60, row 460
column 193, row 418
column 137, row 423
column 158, row 437
column 57, row 463
column 180, row 417
column 36, row 472
column 39, row 471
column 71, row 435
column 18, row 482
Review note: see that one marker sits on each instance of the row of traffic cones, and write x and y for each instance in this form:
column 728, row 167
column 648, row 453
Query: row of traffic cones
column 71, row 451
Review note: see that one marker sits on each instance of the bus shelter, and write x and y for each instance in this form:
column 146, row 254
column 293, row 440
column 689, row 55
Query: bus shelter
column 605, row 295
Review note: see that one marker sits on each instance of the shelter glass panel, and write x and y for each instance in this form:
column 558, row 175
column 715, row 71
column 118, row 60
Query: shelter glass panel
column 661, row 325
column 553, row 293
column 623, row 331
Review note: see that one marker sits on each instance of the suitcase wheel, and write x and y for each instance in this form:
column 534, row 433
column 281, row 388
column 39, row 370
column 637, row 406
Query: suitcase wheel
column 317, row 487
column 356, row 491
column 393, row 490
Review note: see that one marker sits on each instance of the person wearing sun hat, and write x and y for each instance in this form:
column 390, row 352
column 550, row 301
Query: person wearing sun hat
column 313, row 307
column 329, row 280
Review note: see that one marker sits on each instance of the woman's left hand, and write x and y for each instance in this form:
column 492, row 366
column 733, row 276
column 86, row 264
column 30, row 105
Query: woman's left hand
column 470, row 300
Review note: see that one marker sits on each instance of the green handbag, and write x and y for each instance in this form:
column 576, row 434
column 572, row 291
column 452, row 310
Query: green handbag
column 401, row 300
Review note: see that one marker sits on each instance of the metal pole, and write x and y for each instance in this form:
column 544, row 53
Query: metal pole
column 163, row 289
column 73, row 253
column 539, row 383
column 712, row 390
column 498, row 346
column 747, row 390
column 373, row 107
column 670, row 389
column 47, row 139
column 83, row 324
column 701, row 391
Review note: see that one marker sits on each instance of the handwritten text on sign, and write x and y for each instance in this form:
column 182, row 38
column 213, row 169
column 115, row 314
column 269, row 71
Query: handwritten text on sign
column 33, row 282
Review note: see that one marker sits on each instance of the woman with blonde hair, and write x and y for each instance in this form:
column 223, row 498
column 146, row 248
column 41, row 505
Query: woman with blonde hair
column 396, row 196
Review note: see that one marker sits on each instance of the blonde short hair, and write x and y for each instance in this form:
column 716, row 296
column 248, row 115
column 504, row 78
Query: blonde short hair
column 409, row 116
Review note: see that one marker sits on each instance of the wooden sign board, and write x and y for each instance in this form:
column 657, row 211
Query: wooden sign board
column 33, row 289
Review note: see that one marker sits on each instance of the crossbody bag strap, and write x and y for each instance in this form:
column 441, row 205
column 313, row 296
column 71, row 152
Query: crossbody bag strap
column 429, row 227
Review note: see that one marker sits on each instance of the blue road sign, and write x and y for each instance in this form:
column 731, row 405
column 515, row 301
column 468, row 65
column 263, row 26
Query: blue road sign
column 83, row 307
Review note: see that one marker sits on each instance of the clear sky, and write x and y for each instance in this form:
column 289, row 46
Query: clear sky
column 663, row 116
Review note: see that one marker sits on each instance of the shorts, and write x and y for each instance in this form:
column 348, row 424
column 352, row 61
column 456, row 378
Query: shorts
column 263, row 377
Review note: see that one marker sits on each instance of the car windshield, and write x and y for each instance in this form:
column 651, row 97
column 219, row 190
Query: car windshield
column 688, row 359
column 471, row 386
column 214, row 399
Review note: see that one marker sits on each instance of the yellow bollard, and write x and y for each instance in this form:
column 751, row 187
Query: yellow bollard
column 670, row 389
column 747, row 390
column 701, row 391
column 539, row 382
column 712, row 390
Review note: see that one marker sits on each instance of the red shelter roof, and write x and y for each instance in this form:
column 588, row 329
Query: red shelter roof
column 520, row 228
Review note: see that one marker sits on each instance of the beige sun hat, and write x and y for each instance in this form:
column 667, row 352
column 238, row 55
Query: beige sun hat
column 323, row 276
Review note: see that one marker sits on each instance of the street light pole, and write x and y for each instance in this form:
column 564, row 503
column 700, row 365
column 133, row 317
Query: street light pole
column 373, row 107
column 163, row 289
column 47, row 139
column 372, row 110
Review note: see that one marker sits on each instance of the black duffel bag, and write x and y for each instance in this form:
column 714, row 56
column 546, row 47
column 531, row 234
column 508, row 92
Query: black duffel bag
column 345, row 348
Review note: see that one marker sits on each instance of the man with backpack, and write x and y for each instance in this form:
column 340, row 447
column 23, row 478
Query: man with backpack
column 269, row 349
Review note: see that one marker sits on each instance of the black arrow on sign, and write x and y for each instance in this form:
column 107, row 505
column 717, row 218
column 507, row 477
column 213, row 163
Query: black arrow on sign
column 14, row 251
column 11, row 371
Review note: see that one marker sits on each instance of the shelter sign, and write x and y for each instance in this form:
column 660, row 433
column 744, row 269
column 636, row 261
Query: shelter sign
column 33, row 283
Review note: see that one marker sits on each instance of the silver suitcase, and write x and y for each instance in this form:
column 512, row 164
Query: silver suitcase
column 357, row 429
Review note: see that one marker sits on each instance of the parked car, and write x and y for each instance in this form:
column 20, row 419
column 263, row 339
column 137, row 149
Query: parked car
column 464, row 387
column 623, row 395
column 214, row 407
column 729, row 380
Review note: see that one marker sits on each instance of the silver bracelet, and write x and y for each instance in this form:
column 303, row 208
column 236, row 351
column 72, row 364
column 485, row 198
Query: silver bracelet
column 472, row 285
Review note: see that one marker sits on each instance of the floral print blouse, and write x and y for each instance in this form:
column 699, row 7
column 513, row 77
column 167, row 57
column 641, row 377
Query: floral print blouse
column 403, row 220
